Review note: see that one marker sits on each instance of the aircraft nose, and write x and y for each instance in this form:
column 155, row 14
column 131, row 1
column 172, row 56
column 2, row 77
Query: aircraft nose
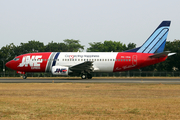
column 8, row 64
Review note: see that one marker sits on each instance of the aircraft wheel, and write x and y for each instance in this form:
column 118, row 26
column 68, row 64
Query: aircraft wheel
column 83, row 76
column 89, row 76
column 24, row 76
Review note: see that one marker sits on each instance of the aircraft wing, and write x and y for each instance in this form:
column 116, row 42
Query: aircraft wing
column 82, row 66
column 163, row 54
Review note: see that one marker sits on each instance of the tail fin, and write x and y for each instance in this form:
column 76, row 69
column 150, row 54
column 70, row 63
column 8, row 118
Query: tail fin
column 156, row 42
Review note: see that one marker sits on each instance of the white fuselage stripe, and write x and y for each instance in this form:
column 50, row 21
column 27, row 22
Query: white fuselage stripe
column 103, row 62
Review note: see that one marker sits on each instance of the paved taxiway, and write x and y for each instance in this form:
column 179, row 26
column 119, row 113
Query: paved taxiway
column 94, row 80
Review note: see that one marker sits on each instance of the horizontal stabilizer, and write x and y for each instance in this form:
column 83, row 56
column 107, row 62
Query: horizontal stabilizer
column 159, row 55
column 171, row 54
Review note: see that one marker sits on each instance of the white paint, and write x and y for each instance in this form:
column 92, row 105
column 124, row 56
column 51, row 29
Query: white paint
column 33, row 62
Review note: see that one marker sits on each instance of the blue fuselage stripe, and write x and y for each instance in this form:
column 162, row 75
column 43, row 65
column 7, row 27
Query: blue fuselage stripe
column 55, row 58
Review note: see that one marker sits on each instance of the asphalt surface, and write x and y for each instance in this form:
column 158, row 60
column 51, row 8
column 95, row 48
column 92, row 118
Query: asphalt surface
column 94, row 80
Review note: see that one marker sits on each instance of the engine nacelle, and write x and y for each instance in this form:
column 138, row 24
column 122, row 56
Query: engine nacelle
column 60, row 70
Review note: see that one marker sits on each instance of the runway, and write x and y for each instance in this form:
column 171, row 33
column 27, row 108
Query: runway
column 94, row 80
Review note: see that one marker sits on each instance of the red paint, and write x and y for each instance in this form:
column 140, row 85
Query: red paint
column 15, row 65
column 134, row 61
column 20, row 72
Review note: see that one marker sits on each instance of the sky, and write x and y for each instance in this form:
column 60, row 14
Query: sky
column 86, row 20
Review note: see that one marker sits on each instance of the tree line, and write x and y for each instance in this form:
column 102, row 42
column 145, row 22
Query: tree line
column 10, row 51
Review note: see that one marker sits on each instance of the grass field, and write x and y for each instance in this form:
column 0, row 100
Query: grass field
column 98, row 101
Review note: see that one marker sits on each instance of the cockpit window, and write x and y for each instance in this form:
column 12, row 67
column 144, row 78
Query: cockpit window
column 16, row 59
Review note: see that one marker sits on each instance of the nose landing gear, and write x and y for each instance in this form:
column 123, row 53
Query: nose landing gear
column 24, row 76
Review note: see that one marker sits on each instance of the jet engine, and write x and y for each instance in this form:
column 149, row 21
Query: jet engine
column 60, row 70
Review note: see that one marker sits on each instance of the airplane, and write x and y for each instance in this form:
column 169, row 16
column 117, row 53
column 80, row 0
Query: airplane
column 85, row 63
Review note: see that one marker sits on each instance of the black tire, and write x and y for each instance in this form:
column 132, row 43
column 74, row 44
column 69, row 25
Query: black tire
column 89, row 76
column 24, row 76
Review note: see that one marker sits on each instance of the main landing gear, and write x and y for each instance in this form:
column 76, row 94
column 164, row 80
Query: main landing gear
column 84, row 76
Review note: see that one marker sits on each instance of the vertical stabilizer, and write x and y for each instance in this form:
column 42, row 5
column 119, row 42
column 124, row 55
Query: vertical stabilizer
column 156, row 42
